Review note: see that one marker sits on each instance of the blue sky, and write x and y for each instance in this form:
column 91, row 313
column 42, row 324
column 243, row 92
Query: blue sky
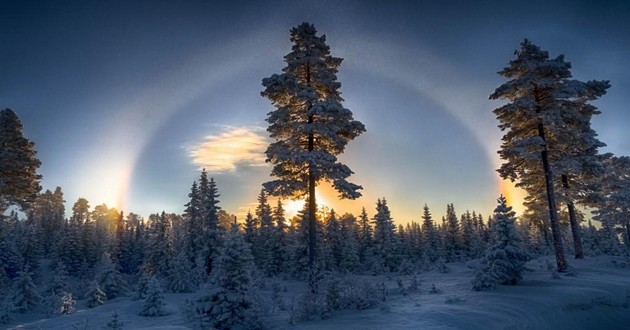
column 127, row 99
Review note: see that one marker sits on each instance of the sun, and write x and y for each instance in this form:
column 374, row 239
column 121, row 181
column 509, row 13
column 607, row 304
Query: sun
column 293, row 206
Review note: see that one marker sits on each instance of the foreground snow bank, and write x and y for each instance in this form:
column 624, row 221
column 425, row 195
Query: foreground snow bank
column 595, row 295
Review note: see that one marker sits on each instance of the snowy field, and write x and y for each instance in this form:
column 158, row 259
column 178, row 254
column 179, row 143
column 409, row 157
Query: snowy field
column 594, row 295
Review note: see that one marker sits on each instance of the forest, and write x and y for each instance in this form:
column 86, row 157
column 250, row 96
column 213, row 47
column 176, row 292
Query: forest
column 56, row 262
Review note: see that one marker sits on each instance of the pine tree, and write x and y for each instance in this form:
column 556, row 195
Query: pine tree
column 153, row 304
column 384, row 236
column 160, row 245
column 265, row 243
column 364, row 236
column 25, row 295
column 95, row 295
column 181, row 277
column 109, row 278
column 209, row 240
column 115, row 323
column 228, row 303
column 349, row 259
column 6, row 307
column 193, row 214
column 431, row 240
column 614, row 204
column 530, row 120
column 452, row 237
column 19, row 181
column 310, row 125
column 280, row 242
column 504, row 262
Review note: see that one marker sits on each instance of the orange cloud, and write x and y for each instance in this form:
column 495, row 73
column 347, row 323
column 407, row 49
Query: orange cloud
column 234, row 147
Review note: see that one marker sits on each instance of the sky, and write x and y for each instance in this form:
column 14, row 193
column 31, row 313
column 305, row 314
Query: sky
column 127, row 100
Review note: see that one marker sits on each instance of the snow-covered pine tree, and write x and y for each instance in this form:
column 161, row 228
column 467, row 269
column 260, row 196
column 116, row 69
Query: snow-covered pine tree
column 385, row 236
column 210, row 239
column 95, row 295
column 349, row 249
column 181, row 274
column 547, row 110
column 280, row 248
column 159, row 252
column 70, row 252
column 115, row 323
column 263, row 254
column 467, row 235
column 58, row 296
column 6, row 307
column 228, row 303
column 19, row 181
column 432, row 248
column 452, row 237
column 109, row 278
column 364, row 236
column 193, row 216
column 310, row 125
column 332, row 249
column 11, row 260
column 25, row 295
column 504, row 262
column 536, row 80
column 614, row 204
column 153, row 304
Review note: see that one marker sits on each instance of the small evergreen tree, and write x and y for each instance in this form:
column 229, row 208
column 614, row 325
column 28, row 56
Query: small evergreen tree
column 95, row 296
column 504, row 262
column 25, row 295
column 109, row 278
column 181, row 278
column 115, row 323
column 153, row 304
column 228, row 303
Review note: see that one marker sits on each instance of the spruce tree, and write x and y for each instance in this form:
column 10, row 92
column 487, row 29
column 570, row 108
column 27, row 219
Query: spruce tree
column 504, row 262
column 153, row 304
column 25, row 295
column 384, row 236
column 19, row 181
column 115, row 323
column 309, row 125
column 109, row 278
column 181, row 277
column 95, row 295
column 228, row 302
column 431, row 239
column 452, row 237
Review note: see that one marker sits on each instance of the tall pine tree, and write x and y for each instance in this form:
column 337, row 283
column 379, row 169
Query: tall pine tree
column 310, row 125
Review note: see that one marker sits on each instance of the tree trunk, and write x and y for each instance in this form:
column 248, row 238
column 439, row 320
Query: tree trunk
column 551, row 197
column 575, row 227
column 312, row 205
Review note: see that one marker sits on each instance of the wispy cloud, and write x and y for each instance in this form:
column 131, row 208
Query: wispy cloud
column 233, row 147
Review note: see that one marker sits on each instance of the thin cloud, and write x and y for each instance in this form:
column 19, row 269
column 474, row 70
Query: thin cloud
column 234, row 147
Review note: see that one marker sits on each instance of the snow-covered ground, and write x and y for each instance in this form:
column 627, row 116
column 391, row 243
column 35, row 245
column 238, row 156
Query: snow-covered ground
column 595, row 295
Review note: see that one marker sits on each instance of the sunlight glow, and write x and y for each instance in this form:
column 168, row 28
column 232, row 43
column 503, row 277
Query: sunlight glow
column 293, row 207
column 514, row 196
column 235, row 146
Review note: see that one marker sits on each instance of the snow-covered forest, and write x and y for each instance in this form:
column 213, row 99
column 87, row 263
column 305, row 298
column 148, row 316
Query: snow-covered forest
column 564, row 263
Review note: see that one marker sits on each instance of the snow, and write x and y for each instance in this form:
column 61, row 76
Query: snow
column 594, row 295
